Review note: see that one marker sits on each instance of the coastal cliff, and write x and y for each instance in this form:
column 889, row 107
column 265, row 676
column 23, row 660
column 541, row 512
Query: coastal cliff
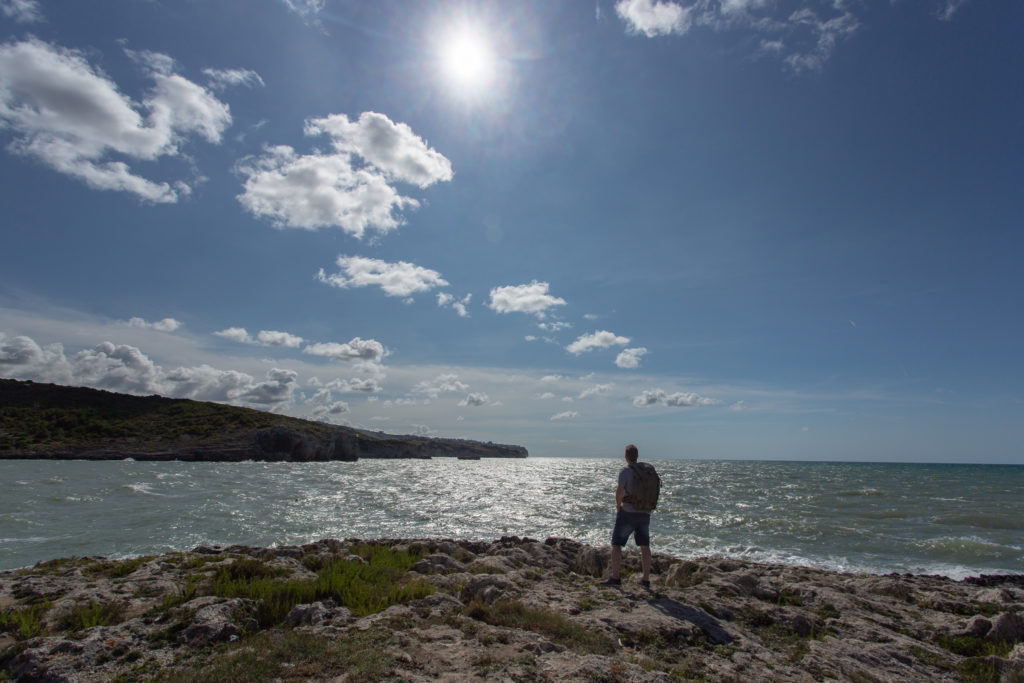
column 514, row 609
column 52, row 422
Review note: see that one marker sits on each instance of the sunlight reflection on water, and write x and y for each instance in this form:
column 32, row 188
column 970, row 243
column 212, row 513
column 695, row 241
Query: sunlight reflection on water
column 881, row 518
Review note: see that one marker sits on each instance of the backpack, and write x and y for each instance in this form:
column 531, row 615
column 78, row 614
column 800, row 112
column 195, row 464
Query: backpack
column 646, row 487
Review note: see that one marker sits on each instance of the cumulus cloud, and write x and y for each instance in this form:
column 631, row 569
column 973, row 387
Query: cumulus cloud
column 72, row 117
column 369, row 350
column 395, row 279
column 276, row 390
column 263, row 337
column 554, row 326
column 236, row 334
column 477, row 399
column 442, row 384
column 532, row 298
column 567, row 415
column 652, row 397
column 654, row 17
column 630, row 358
column 350, row 188
column 354, row 385
column 165, row 325
column 275, row 338
column 601, row 339
column 22, row 11
column 330, row 412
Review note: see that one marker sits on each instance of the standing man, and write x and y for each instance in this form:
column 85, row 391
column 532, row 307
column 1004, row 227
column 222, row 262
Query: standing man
column 635, row 497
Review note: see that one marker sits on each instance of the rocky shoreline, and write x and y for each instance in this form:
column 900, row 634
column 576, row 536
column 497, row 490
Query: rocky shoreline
column 514, row 609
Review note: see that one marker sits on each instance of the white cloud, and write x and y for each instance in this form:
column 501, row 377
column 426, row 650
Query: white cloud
column 442, row 384
column 275, row 338
column 476, row 399
column 391, row 147
column 354, row 385
column 331, row 411
column 590, row 316
column 396, row 279
column 22, row 11
column 601, row 339
column 236, row 334
column 948, row 8
column 277, row 390
column 357, row 349
column 219, row 79
column 677, row 400
column 307, row 9
column 444, row 299
column 826, row 32
column 567, row 415
column 71, row 117
column 165, row 325
column 738, row 6
column 263, row 337
column 630, row 358
column 422, row 430
column 530, row 338
column 556, row 326
column 552, row 378
column 336, row 189
column 654, row 17
column 546, row 395
column 596, row 390
column 532, row 298
column 206, row 383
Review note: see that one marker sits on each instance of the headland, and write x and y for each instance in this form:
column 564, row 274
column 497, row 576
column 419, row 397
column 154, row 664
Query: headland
column 53, row 422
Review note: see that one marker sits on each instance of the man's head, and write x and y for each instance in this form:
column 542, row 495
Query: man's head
column 632, row 454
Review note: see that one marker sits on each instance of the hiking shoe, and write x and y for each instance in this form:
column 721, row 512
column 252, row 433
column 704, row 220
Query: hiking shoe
column 612, row 582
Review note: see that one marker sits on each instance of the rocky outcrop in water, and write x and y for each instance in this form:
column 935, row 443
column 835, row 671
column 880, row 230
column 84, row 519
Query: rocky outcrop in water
column 514, row 609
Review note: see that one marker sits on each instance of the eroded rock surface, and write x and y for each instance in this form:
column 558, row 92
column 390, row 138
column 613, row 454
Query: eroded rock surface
column 514, row 609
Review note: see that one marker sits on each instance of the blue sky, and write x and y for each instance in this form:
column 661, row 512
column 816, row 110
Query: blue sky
column 717, row 229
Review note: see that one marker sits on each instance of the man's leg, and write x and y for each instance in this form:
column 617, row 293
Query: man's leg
column 645, row 561
column 616, row 562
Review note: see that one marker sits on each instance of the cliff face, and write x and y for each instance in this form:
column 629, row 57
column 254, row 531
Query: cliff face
column 51, row 422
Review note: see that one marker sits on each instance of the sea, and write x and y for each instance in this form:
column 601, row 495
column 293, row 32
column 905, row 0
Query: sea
column 953, row 520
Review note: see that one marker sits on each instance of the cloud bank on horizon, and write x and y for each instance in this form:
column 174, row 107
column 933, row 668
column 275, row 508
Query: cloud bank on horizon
column 649, row 221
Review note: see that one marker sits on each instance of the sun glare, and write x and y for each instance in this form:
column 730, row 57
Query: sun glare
column 467, row 59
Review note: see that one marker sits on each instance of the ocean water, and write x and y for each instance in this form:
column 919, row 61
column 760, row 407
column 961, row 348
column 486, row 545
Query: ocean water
column 956, row 520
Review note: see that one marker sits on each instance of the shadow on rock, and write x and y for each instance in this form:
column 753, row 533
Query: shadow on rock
column 677, row 610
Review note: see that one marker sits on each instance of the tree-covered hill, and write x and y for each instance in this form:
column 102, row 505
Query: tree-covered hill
column 53, row 422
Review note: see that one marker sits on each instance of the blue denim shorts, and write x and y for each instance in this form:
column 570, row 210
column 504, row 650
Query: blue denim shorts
column 627, row 523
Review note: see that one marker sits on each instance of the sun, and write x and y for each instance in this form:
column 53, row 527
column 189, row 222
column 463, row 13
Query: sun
column 467, row 60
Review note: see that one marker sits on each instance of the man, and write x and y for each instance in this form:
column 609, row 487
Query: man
column 629, row 521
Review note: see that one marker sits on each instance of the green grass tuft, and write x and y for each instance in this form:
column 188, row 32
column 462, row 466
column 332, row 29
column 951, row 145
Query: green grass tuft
column 26, row 622
column 549, row 623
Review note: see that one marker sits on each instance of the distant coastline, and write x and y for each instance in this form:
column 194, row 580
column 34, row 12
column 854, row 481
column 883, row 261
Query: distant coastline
column 53, row 422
